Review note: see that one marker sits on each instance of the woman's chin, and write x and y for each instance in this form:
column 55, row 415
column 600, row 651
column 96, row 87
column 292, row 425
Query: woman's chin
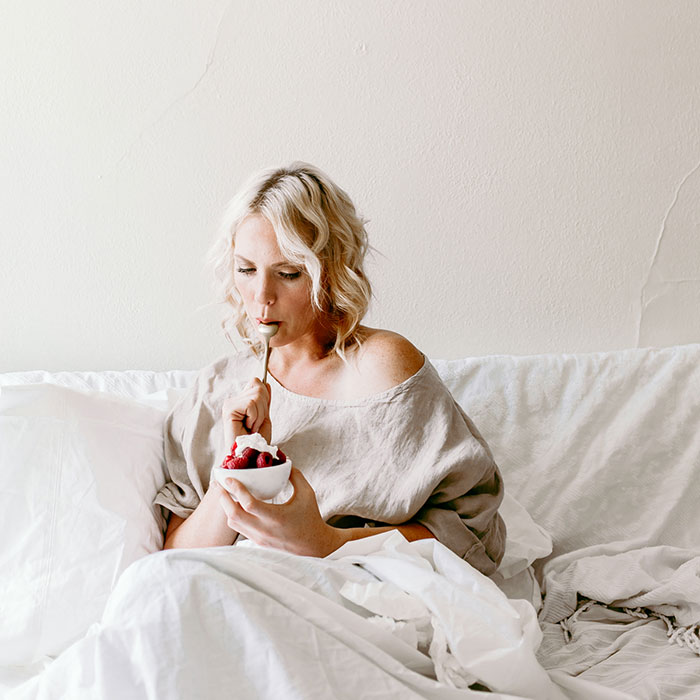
column 279, row 340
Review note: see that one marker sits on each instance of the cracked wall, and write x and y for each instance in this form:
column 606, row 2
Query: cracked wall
column 529, row 173
column 670, row 300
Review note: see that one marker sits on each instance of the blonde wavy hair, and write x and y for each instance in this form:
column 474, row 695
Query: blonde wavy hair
column 318, row 229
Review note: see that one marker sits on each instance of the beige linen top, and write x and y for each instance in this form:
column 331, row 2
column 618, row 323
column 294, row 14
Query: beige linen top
column 407, row 453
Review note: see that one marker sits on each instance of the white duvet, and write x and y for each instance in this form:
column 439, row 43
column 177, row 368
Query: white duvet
column 249, row 622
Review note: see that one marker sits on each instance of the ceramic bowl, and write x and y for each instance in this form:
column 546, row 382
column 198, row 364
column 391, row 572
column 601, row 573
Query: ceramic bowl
column 263, row 484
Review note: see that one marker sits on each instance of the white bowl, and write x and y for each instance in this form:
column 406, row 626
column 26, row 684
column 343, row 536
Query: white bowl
column 263, row 483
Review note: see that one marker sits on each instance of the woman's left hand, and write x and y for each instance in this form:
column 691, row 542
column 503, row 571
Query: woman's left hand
column 295, row 526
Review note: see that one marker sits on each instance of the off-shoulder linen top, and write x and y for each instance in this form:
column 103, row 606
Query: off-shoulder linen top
column 407, row 453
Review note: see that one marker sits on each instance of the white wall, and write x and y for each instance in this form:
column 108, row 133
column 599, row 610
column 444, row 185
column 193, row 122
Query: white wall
column 530, row 169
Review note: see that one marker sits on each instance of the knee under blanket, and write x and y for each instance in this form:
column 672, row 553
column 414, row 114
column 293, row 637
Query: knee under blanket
column 381, row 617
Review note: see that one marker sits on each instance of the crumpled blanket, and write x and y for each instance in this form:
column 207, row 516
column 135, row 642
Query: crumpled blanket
column 659, row 581
column 453, row 613
column 381, row 614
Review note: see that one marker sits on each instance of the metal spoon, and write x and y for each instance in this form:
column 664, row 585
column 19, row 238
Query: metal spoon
column 267, row 330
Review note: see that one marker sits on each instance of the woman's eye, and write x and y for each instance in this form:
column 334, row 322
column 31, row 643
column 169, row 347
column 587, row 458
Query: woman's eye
column 284, row 275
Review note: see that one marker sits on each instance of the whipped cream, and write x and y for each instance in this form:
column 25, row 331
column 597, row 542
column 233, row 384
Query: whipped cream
column 257, row 442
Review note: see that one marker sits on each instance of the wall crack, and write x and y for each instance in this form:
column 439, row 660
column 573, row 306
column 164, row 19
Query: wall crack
column 644, row 301
column 184, row 96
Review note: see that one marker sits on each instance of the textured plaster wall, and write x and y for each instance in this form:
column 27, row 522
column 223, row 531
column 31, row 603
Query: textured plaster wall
column 530, row 170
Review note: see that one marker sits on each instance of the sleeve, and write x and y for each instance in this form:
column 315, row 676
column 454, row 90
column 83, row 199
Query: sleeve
column 462, row 510
column 178, row 495
column 190, row 436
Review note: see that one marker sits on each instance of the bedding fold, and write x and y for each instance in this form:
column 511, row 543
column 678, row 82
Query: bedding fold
column 625, row 616
column 267, row 624
column 662, row 579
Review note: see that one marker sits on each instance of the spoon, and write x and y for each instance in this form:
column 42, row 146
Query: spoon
column 267, row 330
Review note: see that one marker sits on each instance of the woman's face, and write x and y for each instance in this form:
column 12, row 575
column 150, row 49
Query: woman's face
column 272, row 288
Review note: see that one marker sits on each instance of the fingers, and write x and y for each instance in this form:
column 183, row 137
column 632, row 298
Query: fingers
column 236, row 517
column 298, row 481
column 295, row 526
column 259, row 409
column 251, row 417
column 295, row 475
column 229, row 437
column 266, row 389
column 240, row 496
column 247, row 515
column 249, row 411
column 228, row 505
column 236, row 514
column 304, row 495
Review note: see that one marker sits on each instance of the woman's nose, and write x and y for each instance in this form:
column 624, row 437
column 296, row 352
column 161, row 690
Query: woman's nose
column 264, row 290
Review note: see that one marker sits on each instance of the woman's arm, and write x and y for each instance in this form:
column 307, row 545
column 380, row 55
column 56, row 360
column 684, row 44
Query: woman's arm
column 297, row 526
column 411, row 531
column 206, row 527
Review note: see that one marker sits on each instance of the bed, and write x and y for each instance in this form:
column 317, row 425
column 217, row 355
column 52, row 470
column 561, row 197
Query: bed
column 598, row 595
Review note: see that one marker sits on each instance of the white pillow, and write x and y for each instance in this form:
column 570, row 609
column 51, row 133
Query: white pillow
column 79, row 472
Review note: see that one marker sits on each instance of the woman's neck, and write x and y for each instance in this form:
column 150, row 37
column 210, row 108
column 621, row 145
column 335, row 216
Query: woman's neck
column 304, row 354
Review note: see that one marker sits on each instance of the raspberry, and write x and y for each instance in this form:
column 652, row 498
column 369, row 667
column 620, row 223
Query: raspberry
column 239, row 462
column 252, row 459
column 264, row 460
column 251, row 456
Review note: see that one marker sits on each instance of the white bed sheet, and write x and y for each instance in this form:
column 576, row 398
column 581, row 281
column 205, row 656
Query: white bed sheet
column 259, row 623
column 599, row 448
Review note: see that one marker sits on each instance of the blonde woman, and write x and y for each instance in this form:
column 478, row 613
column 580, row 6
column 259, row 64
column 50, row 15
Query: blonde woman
column 377, row 441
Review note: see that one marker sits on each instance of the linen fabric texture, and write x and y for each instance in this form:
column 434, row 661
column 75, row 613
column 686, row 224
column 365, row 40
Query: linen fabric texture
column 408, row 453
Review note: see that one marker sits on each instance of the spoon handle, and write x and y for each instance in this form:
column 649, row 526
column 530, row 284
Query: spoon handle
column 266, row 360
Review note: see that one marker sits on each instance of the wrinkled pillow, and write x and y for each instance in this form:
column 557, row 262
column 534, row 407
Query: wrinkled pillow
column 79, row 472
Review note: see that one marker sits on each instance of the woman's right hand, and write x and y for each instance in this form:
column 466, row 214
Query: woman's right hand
column 249, row 412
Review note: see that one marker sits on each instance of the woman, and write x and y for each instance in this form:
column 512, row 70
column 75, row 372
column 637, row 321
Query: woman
column 376, row 439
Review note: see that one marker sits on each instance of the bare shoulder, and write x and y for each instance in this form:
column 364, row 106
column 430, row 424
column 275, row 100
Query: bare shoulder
column 386, row 359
